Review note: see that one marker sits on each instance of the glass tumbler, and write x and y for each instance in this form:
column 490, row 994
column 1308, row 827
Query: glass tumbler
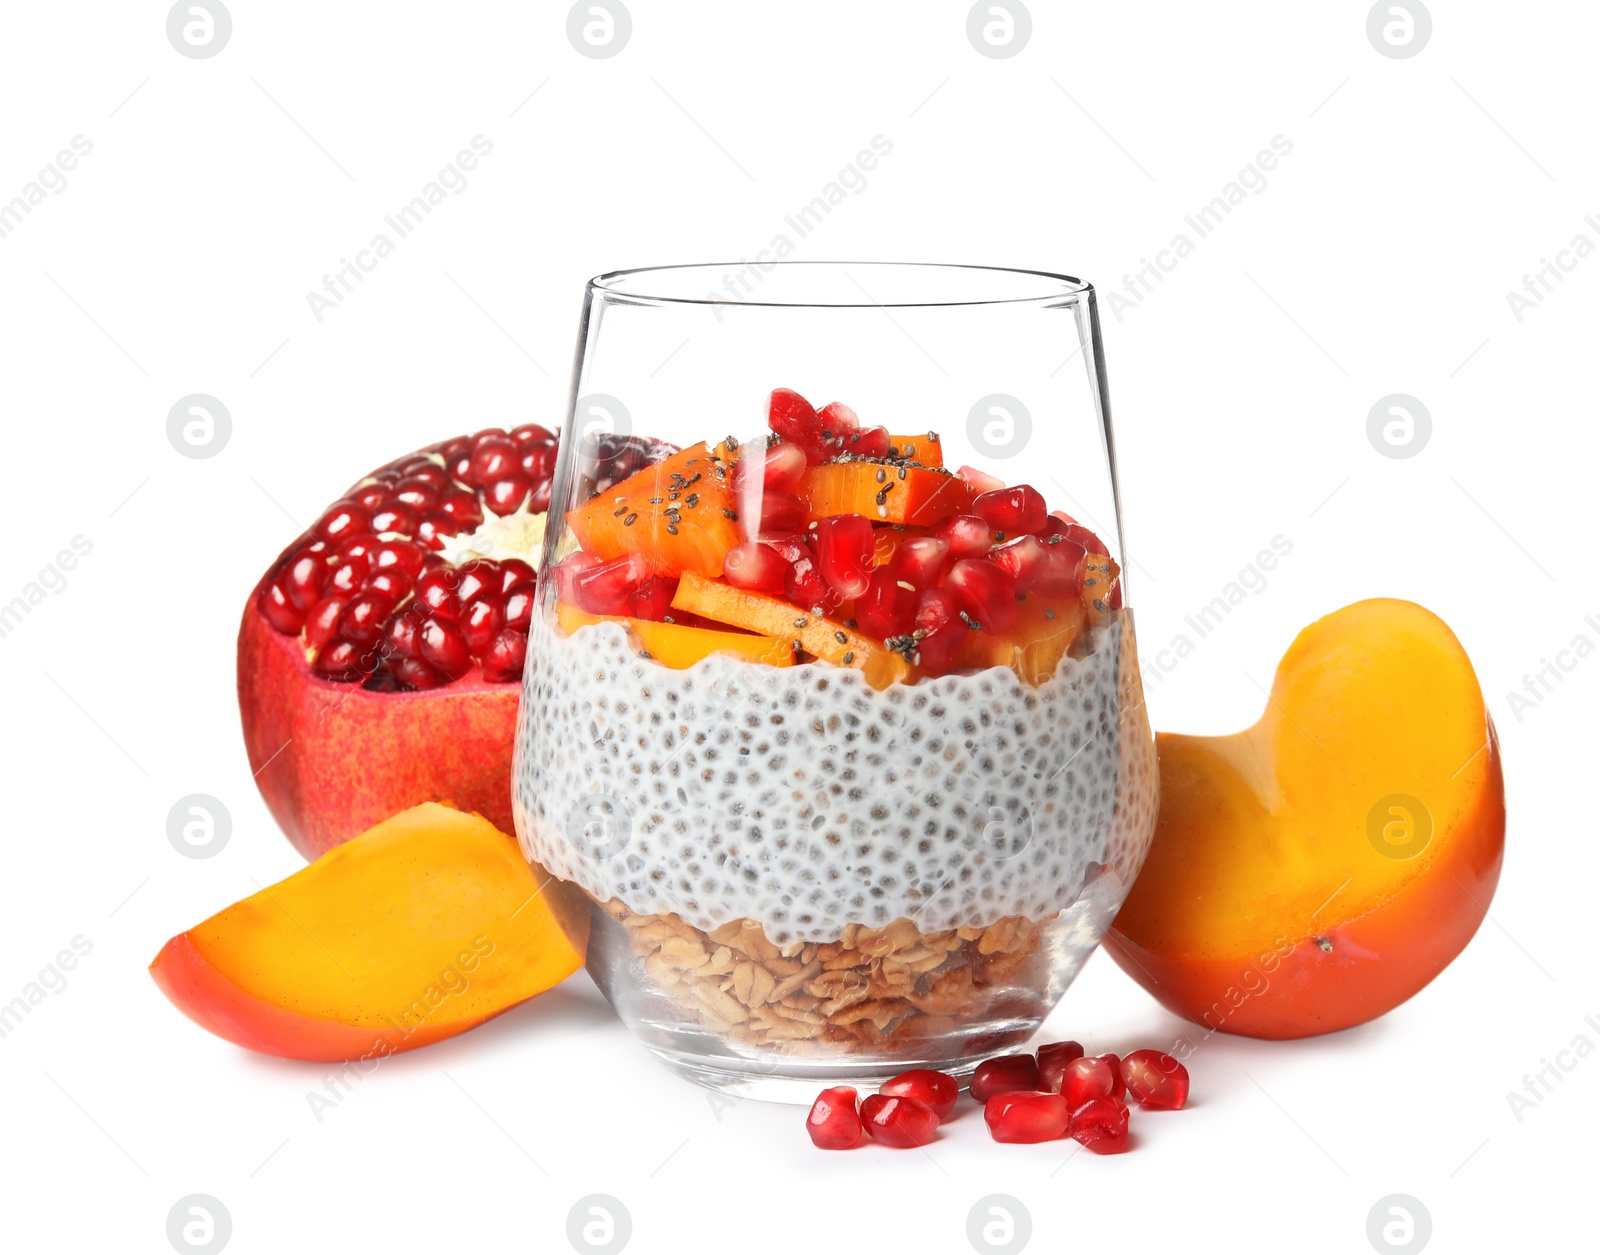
column 832, row 706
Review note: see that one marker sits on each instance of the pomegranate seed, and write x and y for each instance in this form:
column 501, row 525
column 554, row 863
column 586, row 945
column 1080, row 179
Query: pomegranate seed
column 363, row 617
column 838, row 418
column 936, row 1090
column 400, row 637
column 1101, row 1125
column 1155, row 1080
column 434, row 527
column 967, row 535
column 782, row 512
column 341, row 661
column 371, row 496
column 981, row 480
column 392, row 582
column 440, row 642
column 1119, row 1088
column 1012, row 511
column 460, row 468
column 939, row 620
column 282, row 613
column 1025, row 1116
column 531, row 432
column 477, row 577
column 1023, row 559
column 782, row 468
column 919, row 561
column 539, row 499
column 515, row 571
column 885, row 609
column 303, row 582
column 349, row 575
column 462, row 506
column 566, row 572
column 503, row 659
column 872, row 443
column 1083, row 536
column 419, row 494
column 804, row 587
column 791, row 547
column 1085, row 1079
column 538, row 460
column 1004, row 1073
column 413, row 673
column 400, row 555
column 505, row 496
column 844, row 554
column 898, row 1121
column 833, row 1121
column 1053, row 1059
column 481, row 621
column 494, row 457
column 342, row 519
column 519, row 605
column 401, row 519
column 436, row 591
column 323, row 621
column 755, row 566
column 1058, row 574
column 653, row 598
column 791, row 416
column 985, row 592
column 606, row 587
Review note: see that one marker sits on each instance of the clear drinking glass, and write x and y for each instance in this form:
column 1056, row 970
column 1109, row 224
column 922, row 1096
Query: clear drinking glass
column 815, row 855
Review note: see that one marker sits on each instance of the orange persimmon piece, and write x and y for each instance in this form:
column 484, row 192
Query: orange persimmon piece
column 925, row 448
column 679, row 514
column 827, row 638
column 418, row 929
column 922, row 497
column 1035, row 644
column 678, row 646
column 1323, row 865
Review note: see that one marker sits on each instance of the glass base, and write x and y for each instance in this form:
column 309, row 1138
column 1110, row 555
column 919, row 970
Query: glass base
column 798, row 1082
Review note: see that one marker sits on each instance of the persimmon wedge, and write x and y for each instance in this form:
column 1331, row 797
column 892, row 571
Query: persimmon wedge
column 1319, row 868
column 678, row 646
column 420, row 928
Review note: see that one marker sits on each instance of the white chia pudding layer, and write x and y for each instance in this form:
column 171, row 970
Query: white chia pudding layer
column 805, row 800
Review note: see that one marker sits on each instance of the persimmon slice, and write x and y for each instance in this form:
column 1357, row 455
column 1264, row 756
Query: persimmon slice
column 420, row 928
column 923, row 496
column 679, row 646
column 826, row 638
column 678, row 514
column 1323, row 865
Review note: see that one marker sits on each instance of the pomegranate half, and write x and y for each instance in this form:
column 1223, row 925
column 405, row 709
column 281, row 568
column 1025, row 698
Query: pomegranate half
column 380, row 656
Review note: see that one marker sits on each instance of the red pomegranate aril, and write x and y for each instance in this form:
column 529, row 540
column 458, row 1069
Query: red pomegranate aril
column 436, row 591
column 1082, row 535
column 1053, row 1059
column 1119, row 1088
column 440, row 642
column 418, row 493
column 537, row 461
column 833, row 1122
column 885, row 609
column 791, row 416
column 519, row 605
column 807, row 590
column 844, row 554
column 283, row 614
column 1155, row 1080
column 1023, row 559
column 653, row 598
column 392, row 582
column 349, row 575
column 515, row 571
column 606, row 587
column 782, row 468
column 1085, row 1079
column 1058, row 573
column 791, row 547
column 323, row 621
column 305, row 579
column 494, row 457
column 936, row 1090
column 434, row 527
column 400, row 519
column 460, row 468
column 474, row 578
column 504, row 658
column 1004, row 1073
column 920, row 561
column 872, row 443
column 985, row 593
column 838, row 418
column 400, row 636
column 1012, row 511
column 1026, row 1116
column 363, row 617
column 1101, row 1125
column 341, row 661
column 530, row 432
column 981, row 480
column 371, row 496
column 506, row 495
column 539, row 498
column 565, row 574
column 781, row 512
column 755, row 566
column 481, row 621
column 342, row 519
column 967, row 535
column 461, row 506
column 413, row 673
column 400, row 555
column 938, row 618
column 898, row 1121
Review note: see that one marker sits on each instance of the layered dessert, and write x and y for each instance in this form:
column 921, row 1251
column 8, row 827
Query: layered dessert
column 846, row 746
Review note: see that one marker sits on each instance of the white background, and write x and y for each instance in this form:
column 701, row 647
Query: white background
column 177, row 260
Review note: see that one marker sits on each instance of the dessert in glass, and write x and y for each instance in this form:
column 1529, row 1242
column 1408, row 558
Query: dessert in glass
column 832, row 705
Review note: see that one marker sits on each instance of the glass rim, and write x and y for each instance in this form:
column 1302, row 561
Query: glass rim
column 1053, row 287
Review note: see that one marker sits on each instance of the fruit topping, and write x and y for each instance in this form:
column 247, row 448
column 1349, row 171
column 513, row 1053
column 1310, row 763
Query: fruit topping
column 1101, row 1124
column 677, row 515
column 898, row 1120
column 833, row 1122
column 1053, row 1060
column 937, row 1090
column 1087, row 1078
column 1004, row 1073
column 1026, row 1116
column 1155, row 1080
